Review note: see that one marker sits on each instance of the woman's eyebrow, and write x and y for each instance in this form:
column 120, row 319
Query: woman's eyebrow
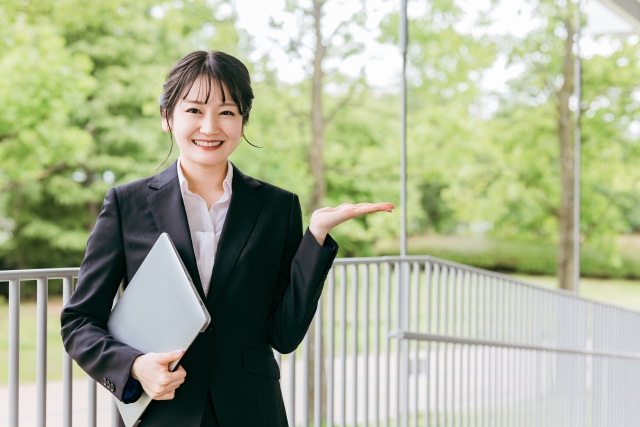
column 194, row 101
column 222, row 104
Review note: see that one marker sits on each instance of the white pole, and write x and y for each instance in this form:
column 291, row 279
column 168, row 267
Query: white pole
column 403, row 127
column 577, row 143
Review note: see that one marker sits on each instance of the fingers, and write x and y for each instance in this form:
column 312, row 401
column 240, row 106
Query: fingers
column 157, row 380
column 344, row 206
column 167, row 396
column 321, row 210
column 166, row 379
column 360, row 209
column 377, row 206
column 327, row 218
column 166, row 358
column 165, row 387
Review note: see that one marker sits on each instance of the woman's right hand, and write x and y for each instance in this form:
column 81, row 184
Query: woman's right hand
column 152, row 370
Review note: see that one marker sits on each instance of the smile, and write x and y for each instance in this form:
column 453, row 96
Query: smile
column 206, row 143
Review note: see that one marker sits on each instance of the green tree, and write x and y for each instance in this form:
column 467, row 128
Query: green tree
column 43, row 86
column 522, row 193
column 106, row 66
column 446, row 134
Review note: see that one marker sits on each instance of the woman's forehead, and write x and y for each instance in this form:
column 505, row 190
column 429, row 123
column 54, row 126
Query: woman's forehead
column 206, row 89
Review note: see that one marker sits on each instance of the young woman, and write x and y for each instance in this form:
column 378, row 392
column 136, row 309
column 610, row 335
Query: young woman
column 241, row 241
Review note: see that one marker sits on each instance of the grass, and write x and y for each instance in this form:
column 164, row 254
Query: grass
column 623, row 293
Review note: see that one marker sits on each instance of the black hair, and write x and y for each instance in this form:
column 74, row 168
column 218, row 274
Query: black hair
column 214, row 66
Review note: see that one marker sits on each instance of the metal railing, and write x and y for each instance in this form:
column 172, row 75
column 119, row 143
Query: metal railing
column 419, row 341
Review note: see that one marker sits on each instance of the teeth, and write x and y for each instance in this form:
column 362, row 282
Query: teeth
column 207, row 144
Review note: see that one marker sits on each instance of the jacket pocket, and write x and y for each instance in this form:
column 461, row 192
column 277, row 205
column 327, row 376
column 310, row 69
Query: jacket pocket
column 259, row 362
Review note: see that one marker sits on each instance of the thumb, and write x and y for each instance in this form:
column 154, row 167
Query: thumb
column 166, row 358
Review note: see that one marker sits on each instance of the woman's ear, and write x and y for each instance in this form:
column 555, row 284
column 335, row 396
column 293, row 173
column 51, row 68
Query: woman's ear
column 165, row 125
column 165, row 121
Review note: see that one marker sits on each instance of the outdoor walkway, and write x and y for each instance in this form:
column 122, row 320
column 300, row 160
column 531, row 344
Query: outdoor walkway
column 54, row 405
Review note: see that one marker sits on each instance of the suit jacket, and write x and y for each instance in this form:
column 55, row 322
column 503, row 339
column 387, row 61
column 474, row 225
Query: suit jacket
column 266, row 281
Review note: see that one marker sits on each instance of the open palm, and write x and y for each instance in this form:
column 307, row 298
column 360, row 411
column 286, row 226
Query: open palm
column 325, row 219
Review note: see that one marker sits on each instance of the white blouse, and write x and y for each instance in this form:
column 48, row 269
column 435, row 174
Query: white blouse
column 205, row 224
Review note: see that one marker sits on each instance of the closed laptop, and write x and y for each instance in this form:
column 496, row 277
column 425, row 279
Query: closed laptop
column 144, row 315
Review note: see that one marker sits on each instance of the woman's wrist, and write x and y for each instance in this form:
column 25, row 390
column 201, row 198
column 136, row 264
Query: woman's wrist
column 319, row 233
column 133, row 368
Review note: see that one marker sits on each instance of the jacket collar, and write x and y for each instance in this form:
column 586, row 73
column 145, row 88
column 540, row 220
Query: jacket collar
column 170, row 216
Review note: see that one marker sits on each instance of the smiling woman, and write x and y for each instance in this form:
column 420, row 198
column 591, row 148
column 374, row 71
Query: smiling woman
column 240, row 240
column 208, row 120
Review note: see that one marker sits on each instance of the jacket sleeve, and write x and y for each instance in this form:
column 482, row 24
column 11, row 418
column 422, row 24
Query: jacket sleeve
column 303, row 269
column 85, row 316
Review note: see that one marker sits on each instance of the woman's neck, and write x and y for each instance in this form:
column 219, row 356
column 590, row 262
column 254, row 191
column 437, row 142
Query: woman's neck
column 204, row 180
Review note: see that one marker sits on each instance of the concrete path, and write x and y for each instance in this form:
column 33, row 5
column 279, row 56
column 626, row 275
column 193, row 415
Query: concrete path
column 27, row 410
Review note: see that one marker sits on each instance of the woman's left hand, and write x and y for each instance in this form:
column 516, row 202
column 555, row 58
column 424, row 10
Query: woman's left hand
column 325, row 219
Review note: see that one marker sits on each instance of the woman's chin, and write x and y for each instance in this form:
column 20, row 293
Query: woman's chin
column 205, row 158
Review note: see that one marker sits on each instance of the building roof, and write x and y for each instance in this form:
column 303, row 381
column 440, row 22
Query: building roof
column 629, row 10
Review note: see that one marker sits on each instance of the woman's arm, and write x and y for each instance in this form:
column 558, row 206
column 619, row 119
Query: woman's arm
column 304, row 266
column 84, row 318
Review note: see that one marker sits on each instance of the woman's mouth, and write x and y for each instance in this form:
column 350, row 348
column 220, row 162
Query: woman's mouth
column 207, row 144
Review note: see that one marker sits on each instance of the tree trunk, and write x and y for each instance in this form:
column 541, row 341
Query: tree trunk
column 316, row 166
column 566, row 263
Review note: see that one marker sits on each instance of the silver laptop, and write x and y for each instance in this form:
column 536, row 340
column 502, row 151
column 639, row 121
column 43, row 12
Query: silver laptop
column 145, row 315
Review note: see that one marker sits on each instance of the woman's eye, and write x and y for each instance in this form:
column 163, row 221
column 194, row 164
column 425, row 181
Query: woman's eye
column 228, row 113
column 193, row 110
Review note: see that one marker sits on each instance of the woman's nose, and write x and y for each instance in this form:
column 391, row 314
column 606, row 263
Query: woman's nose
column 209, row 126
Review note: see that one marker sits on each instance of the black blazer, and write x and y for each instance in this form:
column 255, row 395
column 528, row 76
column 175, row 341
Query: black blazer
column 265, row 285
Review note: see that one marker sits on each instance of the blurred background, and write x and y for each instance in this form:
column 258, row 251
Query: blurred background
column 490, row 111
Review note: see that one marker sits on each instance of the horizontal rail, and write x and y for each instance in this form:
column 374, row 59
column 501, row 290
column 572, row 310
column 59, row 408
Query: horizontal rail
column 480, row 271
column 418, row 336
column 60, row 273
column 459, row 325
column 44, row 273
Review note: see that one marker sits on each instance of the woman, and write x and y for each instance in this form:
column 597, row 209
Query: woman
column 241, row 241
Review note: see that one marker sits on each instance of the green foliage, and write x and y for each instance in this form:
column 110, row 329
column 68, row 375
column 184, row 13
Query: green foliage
column 79, row 91
column 82, row 88
column 446, row 139
column 514, row 256
column 521, row 194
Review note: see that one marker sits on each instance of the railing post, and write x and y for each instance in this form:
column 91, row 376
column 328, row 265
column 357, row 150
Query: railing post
column 305, row 380
column 354, row 343
column 402, row 275
column 14, row 345
column 317, row 368
column 91, row 403
column 41, row 353
column 330, row 350
column 292, row 388
column 343, row 345
column 509, row 354
column 67, row 366
column 115, row 415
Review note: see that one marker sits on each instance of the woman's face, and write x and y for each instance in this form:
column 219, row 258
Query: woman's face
column 206, row 133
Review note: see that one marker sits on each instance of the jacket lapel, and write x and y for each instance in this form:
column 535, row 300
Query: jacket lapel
column 170, row 216
column 245, row 205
